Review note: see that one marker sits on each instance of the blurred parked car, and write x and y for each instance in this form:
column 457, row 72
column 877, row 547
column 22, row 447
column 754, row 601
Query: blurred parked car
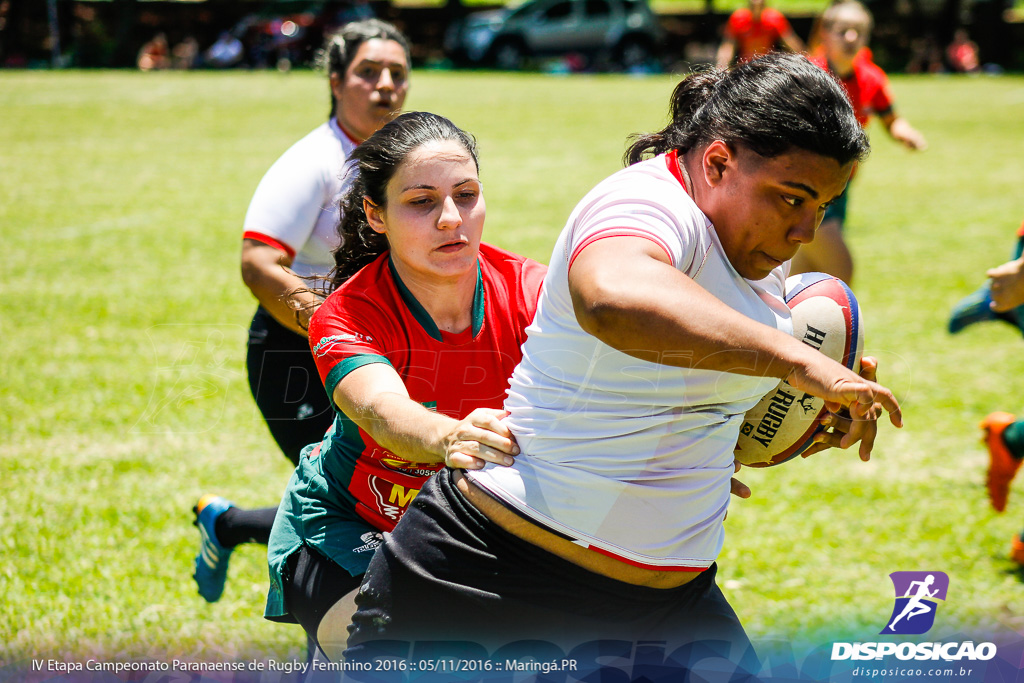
column 624, row 32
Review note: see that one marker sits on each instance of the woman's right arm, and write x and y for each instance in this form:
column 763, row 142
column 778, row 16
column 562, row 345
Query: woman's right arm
column 375, row 398
column 266, row 272
column 626, row 293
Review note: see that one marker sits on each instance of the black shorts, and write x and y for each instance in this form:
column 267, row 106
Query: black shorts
column 286, row 385
column 312, row 585
column 447, row 572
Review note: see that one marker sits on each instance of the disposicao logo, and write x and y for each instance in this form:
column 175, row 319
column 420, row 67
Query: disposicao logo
column 917, row 598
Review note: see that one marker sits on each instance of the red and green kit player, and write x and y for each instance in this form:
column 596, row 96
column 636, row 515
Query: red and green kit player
column 376, row 319
column 845, row 29
column 755, row 30
column 415, row 346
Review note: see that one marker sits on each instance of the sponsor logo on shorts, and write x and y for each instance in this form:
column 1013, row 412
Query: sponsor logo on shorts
column 371, row 541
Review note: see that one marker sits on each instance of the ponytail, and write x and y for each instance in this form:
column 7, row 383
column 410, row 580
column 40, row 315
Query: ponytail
column 687, row 99
column 770, row 105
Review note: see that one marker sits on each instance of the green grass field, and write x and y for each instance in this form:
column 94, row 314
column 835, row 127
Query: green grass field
column 122, row 340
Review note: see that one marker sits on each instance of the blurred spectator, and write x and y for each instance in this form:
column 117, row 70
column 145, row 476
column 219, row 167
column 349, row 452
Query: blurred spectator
column 91, row 44
column 185, row 54
column 225, row 53
column 925, row 56
column 154, row 55
column 962, row 53
column 755, row 30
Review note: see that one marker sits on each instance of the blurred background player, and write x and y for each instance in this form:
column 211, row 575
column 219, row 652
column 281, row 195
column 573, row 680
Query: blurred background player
column 844, row 33
column 962, row 53
column 155, row 54
column 980, row 305
column 755, row 30
column 290, row 233
column 1001, row 298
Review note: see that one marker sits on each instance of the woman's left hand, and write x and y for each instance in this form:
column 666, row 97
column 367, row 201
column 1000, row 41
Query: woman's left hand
column 479, row 438
column 839, row 424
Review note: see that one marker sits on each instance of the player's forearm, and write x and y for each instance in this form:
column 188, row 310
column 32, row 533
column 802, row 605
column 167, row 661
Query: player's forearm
column 405, row 427
column 279, row 290
column 1007, row 285
column 726, row 51
column 901, row 131
column 280, row 293
column 793, row 42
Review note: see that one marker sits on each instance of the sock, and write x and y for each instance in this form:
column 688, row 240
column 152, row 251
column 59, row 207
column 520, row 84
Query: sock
column 1013, row 437
column 235, row 526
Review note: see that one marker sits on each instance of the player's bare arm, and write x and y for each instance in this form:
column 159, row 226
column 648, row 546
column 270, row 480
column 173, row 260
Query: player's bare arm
column 792, row 41
column 266, row 272
column 726, row 51
column 901, row 131
column 618, row 280
column 376, row 399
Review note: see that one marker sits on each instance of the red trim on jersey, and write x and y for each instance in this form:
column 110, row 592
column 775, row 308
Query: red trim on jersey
column 618, row 232
column 673, row 163
column 1020, row 230
column 352, row 138
column 269, row 241
column 644, row 565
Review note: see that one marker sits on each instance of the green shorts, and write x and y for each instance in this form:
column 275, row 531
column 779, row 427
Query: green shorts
column 315, row 513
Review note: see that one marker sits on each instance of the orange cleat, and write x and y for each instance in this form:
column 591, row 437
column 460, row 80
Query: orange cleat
column 1002, row 466
column 1017, row 551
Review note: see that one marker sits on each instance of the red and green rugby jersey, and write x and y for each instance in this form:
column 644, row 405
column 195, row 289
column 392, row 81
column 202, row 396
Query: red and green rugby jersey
column 373, row 318
column 867, row 86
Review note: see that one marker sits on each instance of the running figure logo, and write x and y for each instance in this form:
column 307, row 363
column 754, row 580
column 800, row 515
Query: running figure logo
column 917, row 594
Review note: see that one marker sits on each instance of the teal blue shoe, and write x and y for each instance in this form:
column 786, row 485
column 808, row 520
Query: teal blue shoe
column 976, row 307
column 211, row 570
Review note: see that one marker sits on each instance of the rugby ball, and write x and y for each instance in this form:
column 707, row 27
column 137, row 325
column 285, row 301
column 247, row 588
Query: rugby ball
column 782, row 425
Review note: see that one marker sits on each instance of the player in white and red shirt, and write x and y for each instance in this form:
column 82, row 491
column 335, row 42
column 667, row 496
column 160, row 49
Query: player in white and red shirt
column 661, row 321
column 290, row 233
column 755, row 30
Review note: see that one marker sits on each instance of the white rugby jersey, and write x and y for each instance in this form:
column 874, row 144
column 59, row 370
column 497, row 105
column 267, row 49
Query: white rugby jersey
column 628, row 457
column 295, row 207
